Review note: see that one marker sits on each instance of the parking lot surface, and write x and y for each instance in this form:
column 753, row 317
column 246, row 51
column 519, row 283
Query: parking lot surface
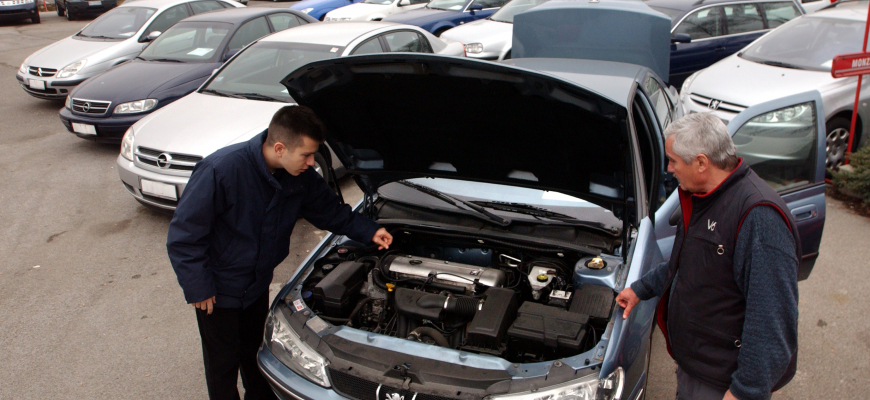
column 90, row 307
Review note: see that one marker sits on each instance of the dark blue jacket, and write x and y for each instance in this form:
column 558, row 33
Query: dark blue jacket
column 233, row 223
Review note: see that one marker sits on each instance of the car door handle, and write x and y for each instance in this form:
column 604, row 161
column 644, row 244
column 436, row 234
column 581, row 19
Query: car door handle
column 721, row 48
column 804, row 212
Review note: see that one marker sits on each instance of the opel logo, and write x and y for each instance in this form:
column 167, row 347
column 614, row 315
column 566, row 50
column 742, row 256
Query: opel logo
column 164, row 160
column 86, row 107
column 714, row 104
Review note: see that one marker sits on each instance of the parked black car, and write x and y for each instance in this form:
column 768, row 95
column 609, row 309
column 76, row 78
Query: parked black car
column 706, row 31
column 173, row 65
column 83, row 8
column 19, row 9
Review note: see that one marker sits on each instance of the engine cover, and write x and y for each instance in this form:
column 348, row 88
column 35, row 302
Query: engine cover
column 446, row 272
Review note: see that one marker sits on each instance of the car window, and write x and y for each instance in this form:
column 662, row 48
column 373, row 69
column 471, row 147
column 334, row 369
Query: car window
column 807, row 43
column 779, row 13
column 659, row 100
column 168, row 18
column 404, row 41
column 419, row 1
column 742, row 18
column 371, row 46
column 283, row 21
column 249, row 32
column 704, row 23
column 119, row 23
column 188, row 42
column 451, row 5
column 780, row 146
column 489, row 3
column 200, row 7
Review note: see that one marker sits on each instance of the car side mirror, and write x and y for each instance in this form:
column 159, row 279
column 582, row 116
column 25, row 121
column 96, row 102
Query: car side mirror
column 152, row 35
column 229, row 54
column 476, row 7
column 681, row 38
column 404, row 3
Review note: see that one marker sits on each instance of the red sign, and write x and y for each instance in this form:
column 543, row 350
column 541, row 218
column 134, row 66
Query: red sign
column 850, row 65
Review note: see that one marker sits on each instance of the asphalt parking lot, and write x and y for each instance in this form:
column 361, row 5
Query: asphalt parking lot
column 90, row 307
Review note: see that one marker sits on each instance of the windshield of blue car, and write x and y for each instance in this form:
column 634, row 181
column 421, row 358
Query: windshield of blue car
column 807, row 43
column 506, row 13
column 259, row 69
column 381, row 2
column 451, row 5
column 118, row 23
column 188, row 42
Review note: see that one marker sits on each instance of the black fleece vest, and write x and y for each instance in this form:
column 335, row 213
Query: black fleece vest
column 703, row 318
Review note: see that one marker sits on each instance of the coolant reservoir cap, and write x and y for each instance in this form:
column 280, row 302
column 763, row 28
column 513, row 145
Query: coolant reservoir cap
column 596, row 263
column 542, row 277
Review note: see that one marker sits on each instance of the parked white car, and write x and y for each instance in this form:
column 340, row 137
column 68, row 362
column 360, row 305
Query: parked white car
column 237, row 102
column 373, row 10
column 117, row 36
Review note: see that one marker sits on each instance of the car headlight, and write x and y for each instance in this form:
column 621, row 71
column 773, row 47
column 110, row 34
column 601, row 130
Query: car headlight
column 474, row 48
column 136, row 106
column 586, row 388
column 307, row 10
column 127, row 144
column 68, row 103
column 288, row 348
column 23, row 67
column 72, row 69
column 796, row 113
column 684, row 90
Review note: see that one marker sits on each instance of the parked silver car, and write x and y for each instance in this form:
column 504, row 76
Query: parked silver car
column 115, row 37
column 159, row 151
column 491, row 38
column 794, row 58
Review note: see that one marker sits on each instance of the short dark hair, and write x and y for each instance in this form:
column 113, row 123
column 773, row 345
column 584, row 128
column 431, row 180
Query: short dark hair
column 290, row 123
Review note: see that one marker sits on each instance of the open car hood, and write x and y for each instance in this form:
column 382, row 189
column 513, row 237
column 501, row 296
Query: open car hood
column 393, row 117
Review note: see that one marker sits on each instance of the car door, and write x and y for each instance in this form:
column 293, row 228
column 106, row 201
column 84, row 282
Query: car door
column 783, row 141
column 743, row 24
column 705, row 26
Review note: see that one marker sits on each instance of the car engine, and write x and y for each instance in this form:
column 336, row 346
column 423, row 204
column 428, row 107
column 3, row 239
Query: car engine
column 521, row 303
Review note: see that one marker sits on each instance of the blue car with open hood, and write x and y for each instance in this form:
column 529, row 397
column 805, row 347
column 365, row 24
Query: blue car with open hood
column 175, row 64
column 512, row 234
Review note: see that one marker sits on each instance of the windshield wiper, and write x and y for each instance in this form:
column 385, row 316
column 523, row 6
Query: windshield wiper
column 781, row 64
column 537, row 212
column 166, row 60
column 223, row 94
column 257, row 96
column 478, row 211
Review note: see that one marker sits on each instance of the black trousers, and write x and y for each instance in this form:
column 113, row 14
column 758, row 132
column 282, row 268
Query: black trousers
column 230, row 340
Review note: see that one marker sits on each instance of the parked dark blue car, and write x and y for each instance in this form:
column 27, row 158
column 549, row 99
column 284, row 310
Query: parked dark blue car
column 175, row 64
column 704, row 32
column 19, row 9
column 441, row 15
column 319, row 8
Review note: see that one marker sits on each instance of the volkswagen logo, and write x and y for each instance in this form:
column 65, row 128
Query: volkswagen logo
column 164, row 160
column 86, row 107
column 714, row 104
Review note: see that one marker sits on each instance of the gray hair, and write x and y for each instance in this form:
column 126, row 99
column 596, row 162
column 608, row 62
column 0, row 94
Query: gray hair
column 703, row 133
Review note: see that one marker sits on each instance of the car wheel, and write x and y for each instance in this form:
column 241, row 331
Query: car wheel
column 69, row 16
column 59, row 10
column 35, row 18
column 321, row 167
column 837, row 142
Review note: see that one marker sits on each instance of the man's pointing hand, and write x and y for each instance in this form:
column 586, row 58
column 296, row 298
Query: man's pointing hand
column 383, row 239
column 627, row 299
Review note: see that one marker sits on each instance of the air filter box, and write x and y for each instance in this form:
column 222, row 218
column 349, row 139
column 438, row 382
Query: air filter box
column 595, row 301
column 337, row 292
column 554, row 327
column 487, row 330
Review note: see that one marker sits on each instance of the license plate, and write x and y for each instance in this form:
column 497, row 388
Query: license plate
column 158, row 189
column 37, row 85
column 95, row 3
column 84, row 129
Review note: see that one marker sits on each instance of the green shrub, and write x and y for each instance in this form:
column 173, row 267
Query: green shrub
column 857, row 182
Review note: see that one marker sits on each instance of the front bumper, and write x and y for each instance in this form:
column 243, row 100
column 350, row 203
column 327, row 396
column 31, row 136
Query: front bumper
column 85, row 8
column 18, row 11
column 131, row 176
column 286, row 384
column 109, row 129
column 55, row 89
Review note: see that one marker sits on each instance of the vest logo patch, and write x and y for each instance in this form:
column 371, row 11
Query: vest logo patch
column 711, row 225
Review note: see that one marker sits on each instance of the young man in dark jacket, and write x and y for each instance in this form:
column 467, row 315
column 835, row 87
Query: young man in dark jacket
column 232, row 228
column 729, row 305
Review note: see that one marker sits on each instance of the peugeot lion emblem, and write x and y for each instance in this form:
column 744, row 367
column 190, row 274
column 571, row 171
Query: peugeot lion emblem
column 395, row 396
column 164, row 160
column 86, row 107
column 714, row 104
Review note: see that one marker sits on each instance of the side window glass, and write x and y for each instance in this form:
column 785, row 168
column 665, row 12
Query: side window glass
column 301, row 21
column 404, row 41
column 779, row 13
column 490, row 3
column 742, row 18
column 371, row 46
column 419, row 2
column 249, row 32
column 283, row 21
column 168, row 18
column 780, row 146
column 659, row 100
column 200, row 7
column 702, row 24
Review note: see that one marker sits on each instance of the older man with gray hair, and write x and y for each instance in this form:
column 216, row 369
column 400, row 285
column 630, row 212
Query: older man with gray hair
column 729, row 295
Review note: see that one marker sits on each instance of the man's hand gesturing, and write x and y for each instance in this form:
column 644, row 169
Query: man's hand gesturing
column 383, row 239
column 627, row 299
column 205, row 305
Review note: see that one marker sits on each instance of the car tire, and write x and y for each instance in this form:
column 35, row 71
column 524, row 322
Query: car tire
column 35, row 18
column 837, row 140
column 69, row 16
column 321, row 167
column 59, row 10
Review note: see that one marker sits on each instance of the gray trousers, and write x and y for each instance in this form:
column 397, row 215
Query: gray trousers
column 689, row 388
